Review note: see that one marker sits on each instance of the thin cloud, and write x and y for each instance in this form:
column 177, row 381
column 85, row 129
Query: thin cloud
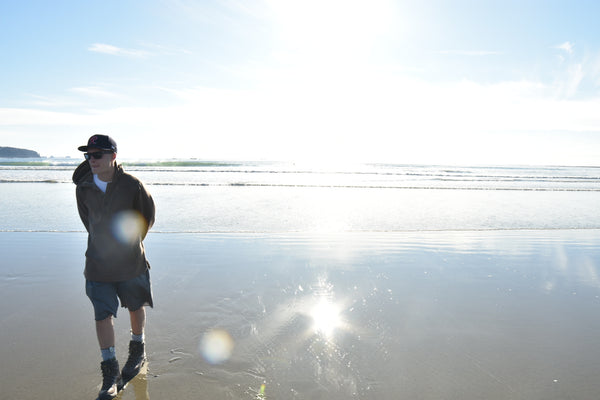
column 574, row 78
column 566, row 46
column 117, row 51
column 470, row 52
column 466, row 112
column 159, row 49
column 94, row 91
column 49, row 102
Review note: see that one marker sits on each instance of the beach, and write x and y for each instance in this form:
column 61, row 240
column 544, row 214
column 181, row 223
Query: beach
column 335, row 200
column 316, row 291
column 458, row 315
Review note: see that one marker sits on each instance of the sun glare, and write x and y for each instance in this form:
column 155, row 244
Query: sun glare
column 326, row 318
column 331, row 27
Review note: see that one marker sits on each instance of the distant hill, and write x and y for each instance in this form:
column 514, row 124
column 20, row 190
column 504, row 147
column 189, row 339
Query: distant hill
column 13, row 152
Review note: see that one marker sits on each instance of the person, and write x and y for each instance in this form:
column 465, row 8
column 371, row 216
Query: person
column 117, row 212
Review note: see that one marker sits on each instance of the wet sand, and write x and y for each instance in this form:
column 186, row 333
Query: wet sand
column 431, row 315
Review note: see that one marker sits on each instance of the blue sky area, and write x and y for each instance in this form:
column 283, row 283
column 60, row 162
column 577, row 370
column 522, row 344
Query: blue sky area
column 332, row 81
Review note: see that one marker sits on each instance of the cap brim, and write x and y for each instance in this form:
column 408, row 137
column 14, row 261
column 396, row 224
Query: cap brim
column 86, row 148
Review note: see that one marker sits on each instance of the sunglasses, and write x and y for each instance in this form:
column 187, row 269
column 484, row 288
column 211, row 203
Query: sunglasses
column 97, row 154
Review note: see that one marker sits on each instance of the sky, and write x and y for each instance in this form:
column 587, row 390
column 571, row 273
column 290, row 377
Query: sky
column 331, row 81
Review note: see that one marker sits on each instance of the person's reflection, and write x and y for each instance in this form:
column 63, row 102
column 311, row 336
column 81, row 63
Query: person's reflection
column 139, row 385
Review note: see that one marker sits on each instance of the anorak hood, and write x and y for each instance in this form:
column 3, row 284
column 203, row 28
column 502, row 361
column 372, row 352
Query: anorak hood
column 81, row 171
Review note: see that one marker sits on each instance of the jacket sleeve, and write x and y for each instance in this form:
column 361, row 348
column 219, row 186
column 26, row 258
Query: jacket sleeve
column 82, row 208
column 145, row 205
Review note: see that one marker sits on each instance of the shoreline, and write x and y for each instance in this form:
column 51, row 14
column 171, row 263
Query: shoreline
column 325, row 233
column 200, row 209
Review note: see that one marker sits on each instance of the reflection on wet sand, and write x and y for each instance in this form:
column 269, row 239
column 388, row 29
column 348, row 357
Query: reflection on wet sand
column 453, row 315
column 388, row 316
column 137, row 388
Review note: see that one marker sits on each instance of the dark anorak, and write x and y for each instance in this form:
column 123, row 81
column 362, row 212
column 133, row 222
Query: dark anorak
column 117, row 222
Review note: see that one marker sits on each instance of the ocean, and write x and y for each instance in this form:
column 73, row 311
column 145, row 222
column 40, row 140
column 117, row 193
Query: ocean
column 275, row 280
column 221, row 196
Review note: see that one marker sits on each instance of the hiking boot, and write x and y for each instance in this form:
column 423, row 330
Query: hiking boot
column 135, row 362
column 111, row 380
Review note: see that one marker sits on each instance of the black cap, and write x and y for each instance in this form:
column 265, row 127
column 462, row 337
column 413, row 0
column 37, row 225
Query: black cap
column 102, row 142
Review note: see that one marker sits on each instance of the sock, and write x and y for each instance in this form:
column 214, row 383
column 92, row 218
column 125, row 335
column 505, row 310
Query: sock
column 137, row 338
column 108, row 354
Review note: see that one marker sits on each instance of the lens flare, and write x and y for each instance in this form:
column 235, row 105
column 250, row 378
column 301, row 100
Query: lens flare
column 128, row 226
column 216, row 346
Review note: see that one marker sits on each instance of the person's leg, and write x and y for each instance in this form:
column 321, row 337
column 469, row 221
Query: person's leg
column 138, row 321
column 137, row 351
column 135, row 294
column 104, row 300
column 105, row 331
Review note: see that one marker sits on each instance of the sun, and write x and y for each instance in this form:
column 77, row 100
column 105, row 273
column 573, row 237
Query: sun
column 332, row 28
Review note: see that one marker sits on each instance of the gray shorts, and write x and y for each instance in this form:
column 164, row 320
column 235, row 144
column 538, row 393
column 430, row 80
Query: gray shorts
column 133, row 294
